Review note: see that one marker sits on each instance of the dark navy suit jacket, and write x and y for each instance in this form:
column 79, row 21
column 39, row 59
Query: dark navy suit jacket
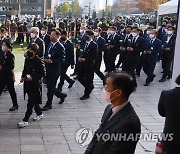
column 155, row 48
column 57, row 55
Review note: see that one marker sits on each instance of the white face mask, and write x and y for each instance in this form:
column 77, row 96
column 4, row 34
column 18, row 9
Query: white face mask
column 148, row 32
column 33, row 35
column 169, row 32
column 96, row 34
column 108, row 32
column 43, row 32
column 81, row 31
column 134, row 34
column 4, row 48
column 151, row 36
column 112, row 32
column 106, row 96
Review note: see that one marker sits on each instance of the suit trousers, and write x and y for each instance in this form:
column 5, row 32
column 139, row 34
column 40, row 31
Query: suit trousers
column 97, row 70
column 148, row 68
column 11, row 89
column 85, row 77
column 64, row 76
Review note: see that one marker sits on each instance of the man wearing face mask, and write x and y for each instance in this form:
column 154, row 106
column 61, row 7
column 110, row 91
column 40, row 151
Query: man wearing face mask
column 36, row 39
column 113, row 48
column 153, row 48
column 87, row 64
column 54, row 57
column 45, row 36
column 162, row 32
column 80, row 44
column 168, row 54
column 119, row 118
column 134, row 49
column 101, row 48
column 69, row 60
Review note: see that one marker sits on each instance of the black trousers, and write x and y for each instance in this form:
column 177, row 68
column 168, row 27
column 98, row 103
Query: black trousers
column 77, row 65
column 106, row 59
column 112, row 59
column 97, row 70
column 167, row 65
column 64, row 76
column 148, row 68
column 85, row 77
column 140, row 65
column 11, row 89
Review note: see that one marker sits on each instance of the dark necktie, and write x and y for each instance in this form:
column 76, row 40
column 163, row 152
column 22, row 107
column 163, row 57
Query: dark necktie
column 107, row 117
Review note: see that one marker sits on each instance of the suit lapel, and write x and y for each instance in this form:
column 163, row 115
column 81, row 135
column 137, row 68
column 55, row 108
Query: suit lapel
column 115, row 119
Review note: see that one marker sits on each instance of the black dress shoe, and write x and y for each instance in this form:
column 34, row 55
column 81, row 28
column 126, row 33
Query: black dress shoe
column 84, row 97
column 13, row 108
column 62, row 98
column 146, row 84
column 45, row 108
column 162, row 80
column 75, row 78
column 153, row 77
column 169, row 77
column 73, row 74
column 71, row 84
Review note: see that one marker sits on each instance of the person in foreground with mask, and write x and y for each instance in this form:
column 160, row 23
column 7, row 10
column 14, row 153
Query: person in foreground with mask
column 153, row 48
column 32, row 74
column 119, row 118
column 7, row 72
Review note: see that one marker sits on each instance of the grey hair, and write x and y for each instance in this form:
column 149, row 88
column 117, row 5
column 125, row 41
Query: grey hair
column 36, row 29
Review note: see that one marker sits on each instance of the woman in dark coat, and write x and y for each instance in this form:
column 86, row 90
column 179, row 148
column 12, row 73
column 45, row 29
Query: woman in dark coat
column 7, row 72
column 169, row 107
column 32, row 75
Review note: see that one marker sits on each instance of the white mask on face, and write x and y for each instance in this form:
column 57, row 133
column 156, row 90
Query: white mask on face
column 108, row 32
column 96, row 34
column 106, row 96
column 134, row 34
column 33, row 35
column 151, row 36
column 81, row 31
column 148, row 32
column 169, row 32
column 43, row 32
column 4, row 48
column 112, row 32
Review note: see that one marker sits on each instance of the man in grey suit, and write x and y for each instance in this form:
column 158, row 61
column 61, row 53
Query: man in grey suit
column 119, row 118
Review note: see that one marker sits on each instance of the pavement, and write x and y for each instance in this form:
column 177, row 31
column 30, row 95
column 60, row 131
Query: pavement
column 56, row 133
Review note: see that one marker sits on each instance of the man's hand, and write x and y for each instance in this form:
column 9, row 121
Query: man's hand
column 0, row 67
column 122, row 48
column 130, row 49
column 167, row 49
column 81, row 59
column 145, row 52
column 28, row 79
column 149, row 52
column 48, row 61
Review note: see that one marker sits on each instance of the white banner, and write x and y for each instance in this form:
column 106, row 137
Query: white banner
column 176, row 68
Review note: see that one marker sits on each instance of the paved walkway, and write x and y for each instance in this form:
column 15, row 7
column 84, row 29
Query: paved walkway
column 55, row 134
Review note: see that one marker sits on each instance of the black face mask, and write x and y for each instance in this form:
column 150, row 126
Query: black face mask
column 29, row 54
column 63, row 39
column 87, row 38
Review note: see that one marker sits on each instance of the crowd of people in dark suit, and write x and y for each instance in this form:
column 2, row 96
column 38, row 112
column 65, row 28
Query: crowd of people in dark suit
column 50, row 53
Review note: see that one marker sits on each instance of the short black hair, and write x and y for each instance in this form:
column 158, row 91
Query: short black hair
column 64, row 32
column 34, row 47
column 57, row 32
column 8, row 43
column 90, row 33
column 3, row 30
column 124, row 82
column 136, row 28
column 171, row 27
column 178, row 80
column 99, row 29
column 45, row 27
column 114, row 27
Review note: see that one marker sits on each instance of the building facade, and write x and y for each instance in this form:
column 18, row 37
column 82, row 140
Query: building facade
column 25, row 7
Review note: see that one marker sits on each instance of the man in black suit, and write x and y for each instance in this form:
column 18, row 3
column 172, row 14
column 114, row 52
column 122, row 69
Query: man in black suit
column 36, row 39
column 153, row 47
column 119, row 118
column 45, row 36
column 54, row 57
column 101, row 48
column 69, row 60
column 87, row 61
column 135, row 47
column 114, row 48
column 168, row 54
column 169, row 107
